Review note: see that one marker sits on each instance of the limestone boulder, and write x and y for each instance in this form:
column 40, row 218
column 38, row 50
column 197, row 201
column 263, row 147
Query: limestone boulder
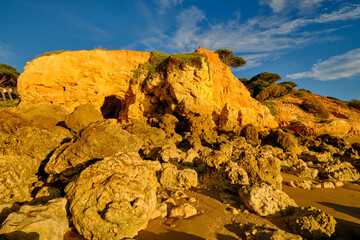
column 185, row 211
column 267, row 201
column 82, row 116
column 16, row 174
column 317, row 157
column 114, row 198
column 340, row 171
column 43, row 222
column 251, row 134
column 284, row 140
column 34, row 142
column 265, row 232
column 261, row 166
column 99, row 140
column 312, row 223
column 173, row 178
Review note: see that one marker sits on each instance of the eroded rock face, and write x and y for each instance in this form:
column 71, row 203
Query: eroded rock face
column 264, row 232
column 99, row 140
column 82, row 116
column 341, row 171
column 34, row 142
column 174, row 179
column 43, row 222
column 15, row 175
column 261, row 166
column 107, row 78
column 267, row 201
column 114, row 198
column 312, row 223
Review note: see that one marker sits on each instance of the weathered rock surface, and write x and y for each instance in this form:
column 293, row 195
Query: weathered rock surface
column 114, row 198
column 341, row 171
column 284, row 140
column 34, row 142
column 174, row 179
column 82, row 116
column 42, row 222
column 261, row 166
column 99, row 140
column 266, row 201
column 312, row 223
column 185, row 211
column 15, row 176
column 264, row 232
column 73, row 78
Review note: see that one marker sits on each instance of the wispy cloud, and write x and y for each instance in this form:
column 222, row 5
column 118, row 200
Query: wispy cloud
column 5, row 52
column 303, row 6
column 164, row 5
column 336, row 67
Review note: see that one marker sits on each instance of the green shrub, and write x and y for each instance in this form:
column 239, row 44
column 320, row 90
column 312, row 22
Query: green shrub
column 227, row 57
column 271, row 106
column 54, row 52
column 312, row 105
column 266, row 77
column 354, row 103
column 8, row 76
column 271, row 91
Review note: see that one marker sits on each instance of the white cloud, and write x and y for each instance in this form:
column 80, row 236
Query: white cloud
column 164, row 5
column 5, row 52
column 336, row 67
column 304, row 6
column 260, row 35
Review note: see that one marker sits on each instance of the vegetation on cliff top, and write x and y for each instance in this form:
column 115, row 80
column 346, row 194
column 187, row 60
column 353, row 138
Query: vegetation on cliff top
column 227, row 57
column 8, row 76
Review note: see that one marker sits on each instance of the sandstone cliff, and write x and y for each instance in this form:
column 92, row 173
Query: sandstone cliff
column 128, row 85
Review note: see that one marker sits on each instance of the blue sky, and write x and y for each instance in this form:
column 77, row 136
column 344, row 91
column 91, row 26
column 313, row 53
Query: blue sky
column 315, row 43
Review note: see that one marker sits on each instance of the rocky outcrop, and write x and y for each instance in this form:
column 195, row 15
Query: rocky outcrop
column 312, row 223
column 114, row 198
column 174, row 179
column 34, row 142
column 82, row 116
column 42, row 222
column 341, row 171
column 15, row 176
column 264, row 232
column 267, row 201
column 97, row 141
column 115, row 80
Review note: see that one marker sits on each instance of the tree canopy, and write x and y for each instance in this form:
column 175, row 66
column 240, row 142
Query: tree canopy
column 8, row 76
column 266, row 77
column 227, row 57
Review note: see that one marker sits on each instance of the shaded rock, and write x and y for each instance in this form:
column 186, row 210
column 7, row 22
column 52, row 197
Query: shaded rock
column 6, row 209
column 312, row 223
column 216, row 159
column 152, row 136
column 236, row 174
column 47, row 193
column 184, row 211
column 170, row 153
column 34, row 142
column 201, row 126
column 265, row 232
column 316, row 157
column 168, row 123
column 82, row 116
column 341, row 171
column 191, row 157
column 251, row 134
column 47, row 222
column 284, row 140
column 333, row 140
column 261, row 166
column 15, row 176
column 172, row 179
column 114, row 198
column 99, row 140
column 267, row 201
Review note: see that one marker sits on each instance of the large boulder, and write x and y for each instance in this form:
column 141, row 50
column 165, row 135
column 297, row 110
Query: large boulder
column 99, row 140
column 312, row 223
column 267, row 201
column 339, row 171
column 265, row 232
column 34, row 142
column 288, row 142
column 173, row 178
column 16, row 174
column 187, row 84
column 42, row 222
column 114, row 198
column 82, row 116
column 261, row 166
